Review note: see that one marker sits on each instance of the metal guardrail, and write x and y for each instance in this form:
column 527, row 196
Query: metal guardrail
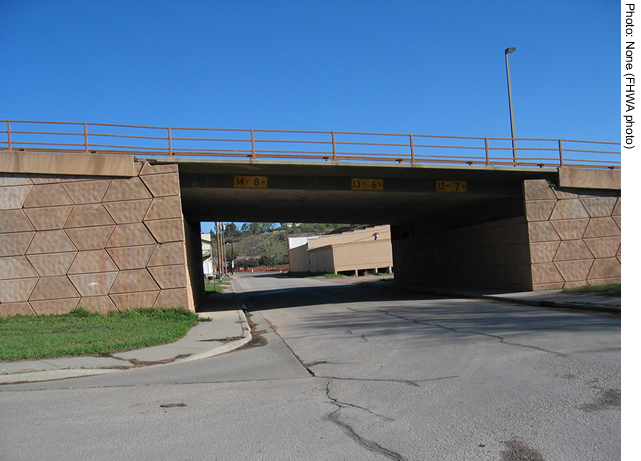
column 335, row 146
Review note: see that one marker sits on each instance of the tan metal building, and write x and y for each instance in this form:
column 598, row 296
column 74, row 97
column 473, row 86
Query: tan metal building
column 350, row 252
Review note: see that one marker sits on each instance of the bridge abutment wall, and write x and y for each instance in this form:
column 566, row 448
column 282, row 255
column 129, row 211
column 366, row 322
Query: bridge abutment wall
column 568, row 235
column 93, row 241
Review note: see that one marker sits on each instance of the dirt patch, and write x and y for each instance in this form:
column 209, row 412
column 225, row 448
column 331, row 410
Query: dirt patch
column 519, row 451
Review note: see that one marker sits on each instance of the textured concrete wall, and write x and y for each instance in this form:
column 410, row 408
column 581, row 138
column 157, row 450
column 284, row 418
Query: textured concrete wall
column 490, row 255
column 574, row 234
column 101, row 243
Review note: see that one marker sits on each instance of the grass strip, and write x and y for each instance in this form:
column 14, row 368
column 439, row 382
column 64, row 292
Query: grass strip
column 611, row 289
column 84, row 333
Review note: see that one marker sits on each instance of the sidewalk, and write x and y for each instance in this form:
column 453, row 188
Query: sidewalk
column 227, row 330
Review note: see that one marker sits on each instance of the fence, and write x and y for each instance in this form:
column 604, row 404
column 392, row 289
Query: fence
column 335, row 146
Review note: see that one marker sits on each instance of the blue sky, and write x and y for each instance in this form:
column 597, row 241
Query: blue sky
column 423, row 67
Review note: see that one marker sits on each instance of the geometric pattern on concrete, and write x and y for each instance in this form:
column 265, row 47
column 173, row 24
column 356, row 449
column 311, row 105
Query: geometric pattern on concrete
column 126, row 301
column 47, row 195
column 135, row 257
column 586, row 227
column 90, row 238
column 15, row 244
column 87, row 191
column 51, row 264
column 132, row 211
column 88, row 262
column 49, row 218
column 167, row 230
column 162, row 185
column 91, row 215
column 83, row 240
column 13, row 197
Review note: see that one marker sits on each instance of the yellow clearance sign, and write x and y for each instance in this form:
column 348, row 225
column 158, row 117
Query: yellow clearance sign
column 251, row 182
column 451, row 186
column 367, row 184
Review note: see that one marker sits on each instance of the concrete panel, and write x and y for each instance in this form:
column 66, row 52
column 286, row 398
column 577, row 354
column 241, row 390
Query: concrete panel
column 573, row 249
column 164, row 208
column 54, row 241
column 131, row 211
column 606, row 268
column 571, row 229
column 148, row 168
column 131, row 257
column 168, row 254
column 90, row 238
column 9, row 309
column 590, row 179
column 91, row 215
column 97, row 303
column 543, row 252
column 166, row 230
column 13, row 197
column 50, row 265
column 7, row 179
column 173, row 298
column 133, row 280
column 539, row 210
column 130, row 235
column 126, row 189
column 170, row 276
column 617, row 208
column 602, row 227
column 50, row 218
column 573, row 271
column 598, row 207
column 162, row 185
column 15, row 244
column 542, row 232
column 87, row 262
column 126, row 301
column 49, row 288
column 84, row 192
column 16, row 267
column 93, row 284
column 606, row 247
column 70, row 164
column 14, row 221
column 538, row 189
column 569, row 209
column 16, row 290
column 43, row 195
column 545, row 273
column 54, row 306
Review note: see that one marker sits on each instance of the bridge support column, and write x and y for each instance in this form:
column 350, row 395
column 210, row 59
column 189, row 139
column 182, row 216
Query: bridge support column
column 97, row 242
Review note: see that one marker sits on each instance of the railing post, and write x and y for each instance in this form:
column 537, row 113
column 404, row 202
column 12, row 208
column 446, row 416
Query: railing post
column 487, row 153
column 412, row 147
column 253, row 156
column 560, row 153
column 9, row 134
column 86, row 137
column 334, row 146
column 171, row 151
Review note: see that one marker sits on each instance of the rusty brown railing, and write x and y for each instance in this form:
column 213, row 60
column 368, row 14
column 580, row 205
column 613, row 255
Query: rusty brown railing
column 335, row 146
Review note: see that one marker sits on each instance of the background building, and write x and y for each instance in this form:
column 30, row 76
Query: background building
column 351, row 252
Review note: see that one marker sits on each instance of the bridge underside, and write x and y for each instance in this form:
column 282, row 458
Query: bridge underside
column 323, row 193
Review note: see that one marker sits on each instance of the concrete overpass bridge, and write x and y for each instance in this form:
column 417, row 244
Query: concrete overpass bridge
column 108, row 216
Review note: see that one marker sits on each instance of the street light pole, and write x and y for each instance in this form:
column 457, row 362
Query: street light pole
column 509, row 94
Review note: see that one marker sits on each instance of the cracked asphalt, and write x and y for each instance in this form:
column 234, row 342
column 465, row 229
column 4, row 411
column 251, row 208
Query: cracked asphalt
column 348, row 372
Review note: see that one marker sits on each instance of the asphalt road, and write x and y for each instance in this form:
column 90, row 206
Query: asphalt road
column 343, row 372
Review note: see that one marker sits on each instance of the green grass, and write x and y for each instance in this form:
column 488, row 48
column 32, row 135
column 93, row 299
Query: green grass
column 83, row 333
column 612, row 289
column 216, row 286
